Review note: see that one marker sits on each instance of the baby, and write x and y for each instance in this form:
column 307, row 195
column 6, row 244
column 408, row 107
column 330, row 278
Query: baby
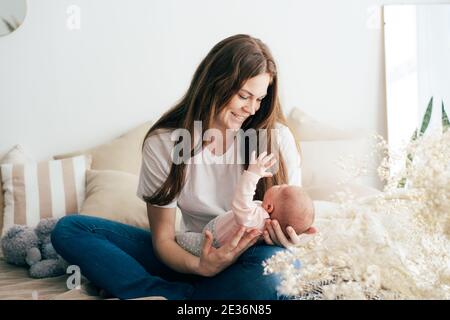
column 289, row 205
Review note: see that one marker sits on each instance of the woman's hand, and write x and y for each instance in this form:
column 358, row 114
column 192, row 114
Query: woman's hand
column 273, row 235
column 213, row 260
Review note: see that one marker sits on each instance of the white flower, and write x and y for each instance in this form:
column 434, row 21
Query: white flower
column 393, row 246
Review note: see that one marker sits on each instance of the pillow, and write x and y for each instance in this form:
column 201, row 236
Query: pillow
column 33, row 191
column 122, row 154
column 320, row 161
column 306, row 128
column 321, row 147
column 16, row 155
column 328, row 191
column 111, row 195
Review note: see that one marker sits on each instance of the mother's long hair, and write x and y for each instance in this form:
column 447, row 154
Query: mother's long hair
column 217, row 79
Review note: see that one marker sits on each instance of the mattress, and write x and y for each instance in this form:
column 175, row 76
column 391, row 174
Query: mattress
column 16, row 284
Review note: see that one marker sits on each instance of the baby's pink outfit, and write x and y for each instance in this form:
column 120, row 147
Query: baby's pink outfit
column 244, row 212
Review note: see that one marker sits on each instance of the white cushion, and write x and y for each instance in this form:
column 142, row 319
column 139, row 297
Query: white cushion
column 321, row 161
column 306, row 128
column 15, row 155
column 329, row 191
column 323, row 146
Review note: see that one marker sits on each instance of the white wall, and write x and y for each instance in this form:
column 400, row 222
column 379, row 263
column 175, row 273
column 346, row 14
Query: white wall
column 63, row 89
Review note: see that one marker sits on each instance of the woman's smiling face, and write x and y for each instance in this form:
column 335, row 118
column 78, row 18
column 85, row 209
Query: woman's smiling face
column 245, row 103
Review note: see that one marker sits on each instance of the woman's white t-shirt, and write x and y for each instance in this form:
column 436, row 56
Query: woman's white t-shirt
column 210, row 179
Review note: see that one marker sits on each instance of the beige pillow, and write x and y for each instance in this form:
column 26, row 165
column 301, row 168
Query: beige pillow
column 15, row 155
column 328, row 192
column 306, row 128
column 322, row 146
column 321, row 161
column 122, row 154
column 111, row 195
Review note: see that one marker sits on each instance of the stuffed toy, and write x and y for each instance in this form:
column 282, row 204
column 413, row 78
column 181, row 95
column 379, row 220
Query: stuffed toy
column 24, row 246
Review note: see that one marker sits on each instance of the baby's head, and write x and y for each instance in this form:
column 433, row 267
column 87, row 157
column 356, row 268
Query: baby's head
column 290, row 206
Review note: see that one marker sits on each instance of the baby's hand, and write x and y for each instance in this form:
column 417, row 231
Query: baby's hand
column 263, row 163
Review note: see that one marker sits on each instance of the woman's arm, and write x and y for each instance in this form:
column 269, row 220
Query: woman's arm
column 162, row 223
column 211, row 261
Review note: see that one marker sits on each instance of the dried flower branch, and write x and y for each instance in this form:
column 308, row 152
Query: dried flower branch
column 395, row 245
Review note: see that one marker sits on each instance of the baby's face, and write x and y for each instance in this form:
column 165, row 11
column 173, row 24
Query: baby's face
column 271, row 195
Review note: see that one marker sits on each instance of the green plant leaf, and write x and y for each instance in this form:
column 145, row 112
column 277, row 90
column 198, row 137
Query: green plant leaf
column 425, row 122
column 402, row 183
column 445, row 122
column 414, row 136
column 426, row 117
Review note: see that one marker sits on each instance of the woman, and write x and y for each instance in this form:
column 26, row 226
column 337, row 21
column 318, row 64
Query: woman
column 234, row 87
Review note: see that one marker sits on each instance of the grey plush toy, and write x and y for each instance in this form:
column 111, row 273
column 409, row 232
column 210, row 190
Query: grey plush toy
column 24, row 246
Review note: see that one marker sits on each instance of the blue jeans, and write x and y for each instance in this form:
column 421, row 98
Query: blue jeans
column 120, row 259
